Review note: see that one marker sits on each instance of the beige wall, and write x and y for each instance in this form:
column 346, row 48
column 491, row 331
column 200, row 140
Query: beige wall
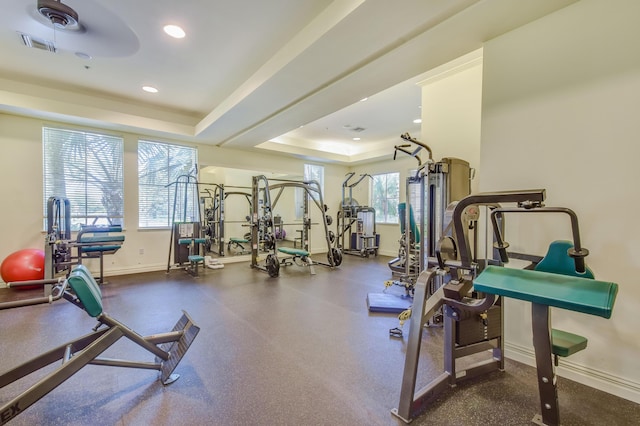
column 560, row 111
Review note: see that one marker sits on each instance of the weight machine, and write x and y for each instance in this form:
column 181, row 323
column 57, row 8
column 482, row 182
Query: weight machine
column 469, row 290
column 262, row 226
column 214, row 219
column 186, row 240
column 356, row 223
column 438, row 186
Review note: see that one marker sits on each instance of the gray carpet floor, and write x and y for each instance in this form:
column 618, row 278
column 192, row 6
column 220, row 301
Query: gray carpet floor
column 299, row 349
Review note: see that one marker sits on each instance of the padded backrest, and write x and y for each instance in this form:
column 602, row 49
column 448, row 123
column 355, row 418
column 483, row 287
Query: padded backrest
column 86, row 289
column 402, row 209
column 558, row 261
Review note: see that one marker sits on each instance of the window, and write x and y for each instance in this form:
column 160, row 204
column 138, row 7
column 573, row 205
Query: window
column 159, row 165
column 385, row 193
column 86, row 168
column 315, row 172
column 311, row 172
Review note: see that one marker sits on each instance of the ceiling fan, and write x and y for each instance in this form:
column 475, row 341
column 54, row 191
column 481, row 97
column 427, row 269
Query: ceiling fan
column 58, row 13
column 84, row 27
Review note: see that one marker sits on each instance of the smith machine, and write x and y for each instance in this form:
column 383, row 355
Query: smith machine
column 262, row 226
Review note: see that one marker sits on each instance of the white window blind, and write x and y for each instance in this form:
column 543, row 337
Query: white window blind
column 160, row 165
column 86, row 168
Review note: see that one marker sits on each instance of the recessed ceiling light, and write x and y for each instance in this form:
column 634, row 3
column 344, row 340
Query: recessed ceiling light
column 417, row 121
column 174, row 31
column 363, row 99
column 356, row 139
column 150, row 89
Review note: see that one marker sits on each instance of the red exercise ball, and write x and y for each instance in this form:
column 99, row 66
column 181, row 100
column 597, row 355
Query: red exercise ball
column 23, row 265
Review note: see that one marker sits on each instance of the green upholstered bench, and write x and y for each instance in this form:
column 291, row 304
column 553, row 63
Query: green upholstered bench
column 194, row 259
column 578, row 294
column 239, row 244
column 295, row 254
column 293, row 251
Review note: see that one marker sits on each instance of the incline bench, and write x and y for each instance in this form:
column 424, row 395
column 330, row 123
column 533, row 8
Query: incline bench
column 544, row 290
column 168, row 348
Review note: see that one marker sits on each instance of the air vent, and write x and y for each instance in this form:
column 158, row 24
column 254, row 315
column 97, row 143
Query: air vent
column 358, row 129
column 38, row 43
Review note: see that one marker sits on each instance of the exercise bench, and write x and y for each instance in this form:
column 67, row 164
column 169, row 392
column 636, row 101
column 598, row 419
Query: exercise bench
column 238, row 243
column 195, row 258
column 545, row 290
column 168, row 348
column 93, row 242
column 294, row 256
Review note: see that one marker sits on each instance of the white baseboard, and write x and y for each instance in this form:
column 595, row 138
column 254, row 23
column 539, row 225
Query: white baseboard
column 588, row 376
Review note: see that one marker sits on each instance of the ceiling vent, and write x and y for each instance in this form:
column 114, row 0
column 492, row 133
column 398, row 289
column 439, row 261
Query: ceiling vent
column 358, row 129
column 38, row 43
column 60, row 15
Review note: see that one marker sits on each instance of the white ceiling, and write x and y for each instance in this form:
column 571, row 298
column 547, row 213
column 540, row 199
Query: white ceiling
column 249, row 73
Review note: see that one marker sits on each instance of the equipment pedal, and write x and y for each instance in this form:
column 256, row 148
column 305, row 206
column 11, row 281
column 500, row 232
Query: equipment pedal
column 178, row 348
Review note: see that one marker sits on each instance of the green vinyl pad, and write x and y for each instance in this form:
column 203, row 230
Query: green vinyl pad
column 196, row 258
column 565, row 343
column 102, row 239
column 293, row 252
column 86, row 289
column 100, row 248
column 238, row 240
column 561, row 291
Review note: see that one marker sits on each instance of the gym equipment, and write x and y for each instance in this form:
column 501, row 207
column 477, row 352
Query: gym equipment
column 357, row 223
column 469, row 293
column 92, row 241
column 194, row 257
column 238, row 245
column 186, row 238
column 214, row 220
column 168, row 348
column 436, row 185
column 298, row 256
column 23, row 265
column 262, row 225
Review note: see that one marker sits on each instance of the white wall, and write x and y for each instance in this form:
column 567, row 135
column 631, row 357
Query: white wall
column 561, row 99
column 143, row 250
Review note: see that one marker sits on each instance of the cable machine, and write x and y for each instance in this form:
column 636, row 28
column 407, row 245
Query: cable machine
column 356, row 223
column 438, row 186
column 186, row 239
column 213, row 219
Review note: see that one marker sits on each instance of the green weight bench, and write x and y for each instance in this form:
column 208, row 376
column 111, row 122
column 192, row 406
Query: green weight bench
column 168, row 348
column 298, row 256
column 543, row 289
column 238, row 245
column 195, row 259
